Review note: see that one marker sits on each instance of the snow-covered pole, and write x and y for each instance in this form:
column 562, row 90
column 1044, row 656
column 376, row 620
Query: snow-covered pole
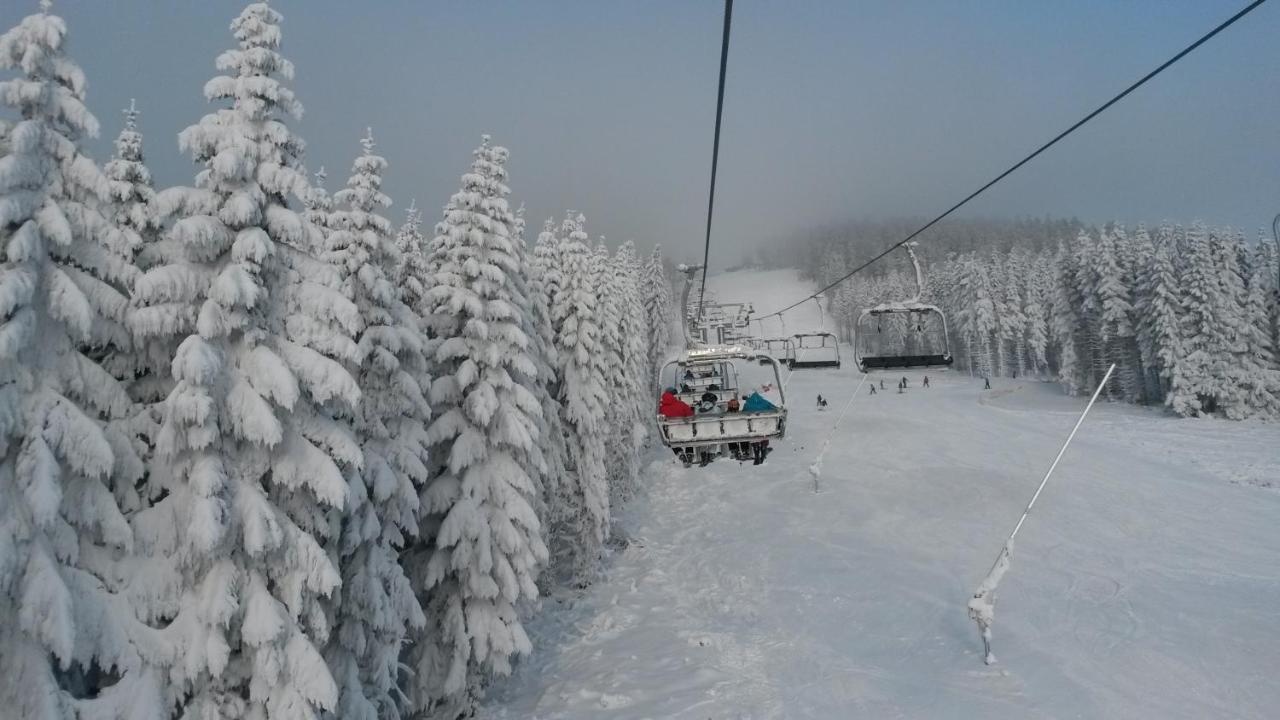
column 982, row 607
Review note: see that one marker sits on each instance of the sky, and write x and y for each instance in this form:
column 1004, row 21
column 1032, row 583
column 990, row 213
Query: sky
column 834, row 109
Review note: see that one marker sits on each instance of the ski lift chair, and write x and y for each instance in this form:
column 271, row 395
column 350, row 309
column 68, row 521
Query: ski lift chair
column 816, row 350
column 923, row 343
column 921, row 331
column 714, row 430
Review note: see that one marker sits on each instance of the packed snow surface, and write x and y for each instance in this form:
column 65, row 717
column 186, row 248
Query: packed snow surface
column 1145, row 581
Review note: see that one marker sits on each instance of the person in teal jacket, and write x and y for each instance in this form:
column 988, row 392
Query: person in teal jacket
column 755, row 402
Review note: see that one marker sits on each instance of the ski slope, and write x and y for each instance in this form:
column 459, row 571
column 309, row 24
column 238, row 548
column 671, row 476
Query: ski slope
column 1145, row 584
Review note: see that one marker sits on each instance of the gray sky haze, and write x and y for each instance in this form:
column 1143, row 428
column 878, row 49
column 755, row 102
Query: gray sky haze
column 833, row 110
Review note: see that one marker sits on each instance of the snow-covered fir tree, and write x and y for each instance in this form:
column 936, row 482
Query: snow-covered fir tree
column 129, row 188
column 485, row 540
column 65, row 472
column 611, row 365
column 657, row 307
column 376, row 610
column 1259, row 372
column 633, row 393
column 1116, row 317
column 142, row 365
column 411, row 270
column 550, row 454
column 576, row 544
column 318, row 212
column 1202, row 336
column 252, row 463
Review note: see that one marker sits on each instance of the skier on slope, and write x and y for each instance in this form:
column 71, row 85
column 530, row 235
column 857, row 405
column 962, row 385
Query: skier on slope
column 926, row 381
column 986, row 383
column 873, row 388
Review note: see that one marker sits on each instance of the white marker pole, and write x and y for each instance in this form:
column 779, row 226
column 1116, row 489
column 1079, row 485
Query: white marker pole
column 983, row 605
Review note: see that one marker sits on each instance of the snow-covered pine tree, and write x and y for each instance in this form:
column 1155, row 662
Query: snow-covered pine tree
column 65, row 473
column 318, row 211
column 1115, row 308
column 376, row 609
column 1267, row 260
column 129, row 188
column 1037, row 312
column 142, row 366
column 558, row 505
column 1233, row 364
column 1065, row 322
column 657, row 307
column 1090, row 340
column 1159, row 313
column 632, row 395
column 612, row 367
column 1201, row 334
column 1143, row 250
column 252, row 462
column 1013, row 319
column 411, row 270
column 1258, row 371
column 552, row 450
column 486, row 547
column 978, row 316
column 584, row 495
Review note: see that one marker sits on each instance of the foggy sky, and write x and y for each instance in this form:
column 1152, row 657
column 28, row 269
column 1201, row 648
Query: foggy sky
column 834, row 110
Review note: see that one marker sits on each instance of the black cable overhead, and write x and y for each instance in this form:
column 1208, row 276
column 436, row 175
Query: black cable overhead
column 715, row 150
column 1164, row 66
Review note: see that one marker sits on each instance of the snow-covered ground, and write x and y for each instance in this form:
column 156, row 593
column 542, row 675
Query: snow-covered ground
column 1146, row 584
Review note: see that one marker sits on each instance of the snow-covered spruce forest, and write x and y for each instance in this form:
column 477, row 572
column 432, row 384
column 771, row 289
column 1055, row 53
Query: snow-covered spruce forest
column 267, row 456
column 1189, row 314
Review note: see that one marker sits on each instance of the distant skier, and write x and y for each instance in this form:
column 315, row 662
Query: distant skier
column 881, row 383
column 904, row 382
column 901, row 385
column 822, row 403
column 873, row 388
column 926, row 381
column 986, row 383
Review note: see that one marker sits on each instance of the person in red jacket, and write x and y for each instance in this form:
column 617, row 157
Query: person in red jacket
column 672, row 406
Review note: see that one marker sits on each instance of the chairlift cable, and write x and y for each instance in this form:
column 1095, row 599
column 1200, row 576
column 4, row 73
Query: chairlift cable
column 715, row 150
column 1102, row 108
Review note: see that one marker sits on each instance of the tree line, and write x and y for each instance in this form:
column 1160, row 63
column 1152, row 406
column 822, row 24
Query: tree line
column 262, row 453
column 1190, row 315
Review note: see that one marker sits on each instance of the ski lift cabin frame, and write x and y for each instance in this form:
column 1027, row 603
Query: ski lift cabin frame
column 714, row 430
column 915, row 312
column 781, row 349
column 825, row 354
column 870, row 320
